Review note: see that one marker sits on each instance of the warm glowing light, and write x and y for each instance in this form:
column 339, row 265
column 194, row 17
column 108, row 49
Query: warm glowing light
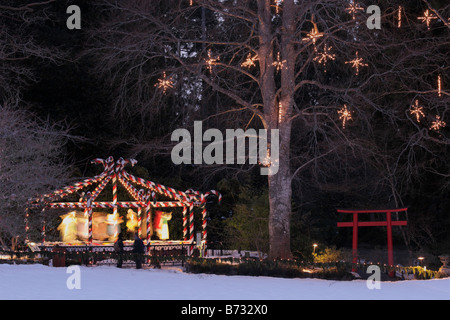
column 266, row 162
column 427, row 17
column 323, row 57
column 314, row 34
column 345, row 115
column 278, row 4
column 161, row 225
column 437, row 124
column 417, row 111
column 250, row 62
column 68, row 227
column 399, row 17
column 280, row 112
column 278, row 64
column 211, row 61
column 191, row 2
column 132, row 221
column 165, row 83
column 439, row 86
column 113, row 220
column 353, row 8
column 357, row 63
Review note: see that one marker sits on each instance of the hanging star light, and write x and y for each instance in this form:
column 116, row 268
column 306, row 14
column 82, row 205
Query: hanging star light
column 314, row 34
column 211, row 61
column 427, row 17
column 165, row 83
column 278, row 64
column 357, row 63
column 437, row 124
column 417, row 111
column 250, row 62
column 345, row 115
column 353, row 8
column 323, row 57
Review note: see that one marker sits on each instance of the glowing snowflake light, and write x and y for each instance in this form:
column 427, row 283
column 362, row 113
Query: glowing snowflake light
column 211, row 61
column 357, row 63
column 165, row 83
column 427, row 17
column 345, row 115
column 437, row 124
column 278, row 64
column 353, row 8
column 323, row 57
column 250, row 62
column 417, row 111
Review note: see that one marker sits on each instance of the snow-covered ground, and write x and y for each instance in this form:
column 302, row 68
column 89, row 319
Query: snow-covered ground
column 107, row 282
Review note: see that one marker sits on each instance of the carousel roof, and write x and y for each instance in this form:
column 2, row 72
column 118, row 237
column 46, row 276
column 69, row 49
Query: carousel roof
column 143, row 192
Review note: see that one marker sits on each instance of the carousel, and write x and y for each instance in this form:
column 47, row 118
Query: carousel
column 93, row 224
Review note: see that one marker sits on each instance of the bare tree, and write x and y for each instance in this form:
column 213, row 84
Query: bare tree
column 19, row 48
column 311, row 69
column 32, row 162
column 32, row 159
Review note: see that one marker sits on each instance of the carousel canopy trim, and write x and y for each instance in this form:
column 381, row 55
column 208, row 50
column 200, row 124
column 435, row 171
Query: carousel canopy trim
column 116, row 170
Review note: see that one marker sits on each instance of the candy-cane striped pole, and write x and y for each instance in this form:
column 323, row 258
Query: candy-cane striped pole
column 100, row 187
column 204, row 223
column 114, row 202
column 185, row 218
column 191, row 225
column 60, row 193
column 140, row 198
column 88, row 211
column 149, row 223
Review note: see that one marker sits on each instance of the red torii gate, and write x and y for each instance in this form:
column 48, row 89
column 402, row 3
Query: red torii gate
column 387, row 223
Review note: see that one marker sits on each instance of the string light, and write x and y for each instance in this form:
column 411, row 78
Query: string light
column 191, row 2
column 439, row 86
column 399, row 17
column 280, row 112
column 323, row 57
column 250, row 62
column 427, row 17
column 437, row 124
column 345, row 115
column 211, row 61
column 357, row 63
column 353, row 8
column 417, row 111
column 278, row 64
column 165, row 83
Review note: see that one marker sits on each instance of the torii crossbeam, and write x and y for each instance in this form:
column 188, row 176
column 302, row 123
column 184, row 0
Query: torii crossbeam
column 387, row 223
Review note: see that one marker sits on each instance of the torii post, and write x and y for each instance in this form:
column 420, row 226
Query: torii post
column 387, row 223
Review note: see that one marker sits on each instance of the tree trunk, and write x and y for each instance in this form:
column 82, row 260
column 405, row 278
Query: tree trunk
column 280, row 193
column 278, row 110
